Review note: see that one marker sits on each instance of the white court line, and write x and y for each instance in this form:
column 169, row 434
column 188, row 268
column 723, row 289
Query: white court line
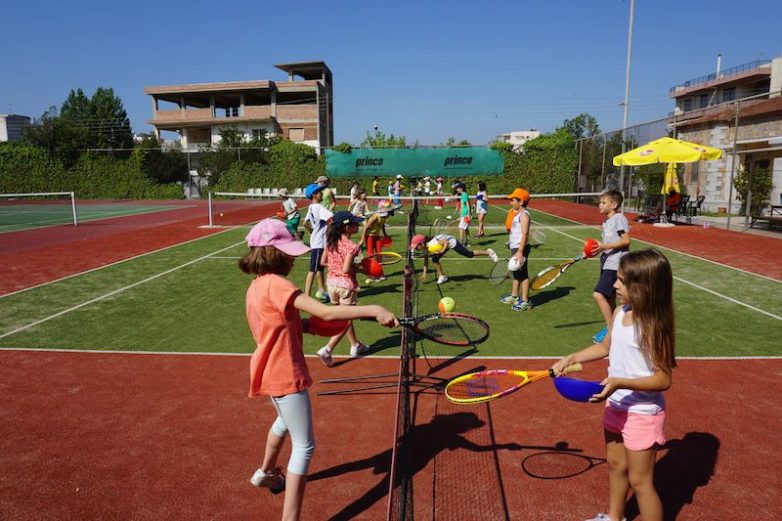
column 383, row 357
column 704, row 259
column 110, row 265
column 685, row 281
column 459, row 258
column 115, row 292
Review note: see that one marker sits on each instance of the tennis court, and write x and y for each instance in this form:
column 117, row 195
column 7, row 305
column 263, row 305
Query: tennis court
column 39, row 211
column 162, row 429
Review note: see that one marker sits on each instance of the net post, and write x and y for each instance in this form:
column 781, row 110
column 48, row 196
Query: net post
column 73, row 209
column 209, row 204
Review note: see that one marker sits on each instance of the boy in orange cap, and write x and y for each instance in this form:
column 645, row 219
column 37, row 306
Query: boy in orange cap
column 518, row 242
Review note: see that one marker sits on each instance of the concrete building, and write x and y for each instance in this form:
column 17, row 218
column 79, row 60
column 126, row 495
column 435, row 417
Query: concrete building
column 12, row 126
column 517, row 138
column 299, row 109
column 706, row 113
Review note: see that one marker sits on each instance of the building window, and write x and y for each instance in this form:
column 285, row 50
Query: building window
column 703, row 101
column 729, row 94
column 296, row 135
column 688, row 105
column 694, row 173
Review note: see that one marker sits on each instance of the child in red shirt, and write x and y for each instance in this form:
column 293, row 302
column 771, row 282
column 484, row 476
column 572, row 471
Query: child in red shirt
column 277, row 367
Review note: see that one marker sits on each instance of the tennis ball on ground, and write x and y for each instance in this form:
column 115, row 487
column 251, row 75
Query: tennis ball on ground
column 447, row 216
column 446, row 305
column 221, row 215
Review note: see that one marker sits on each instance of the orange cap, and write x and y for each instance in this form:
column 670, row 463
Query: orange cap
column 518, row 193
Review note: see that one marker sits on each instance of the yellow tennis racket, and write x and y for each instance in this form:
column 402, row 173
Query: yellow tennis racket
column 485, row 386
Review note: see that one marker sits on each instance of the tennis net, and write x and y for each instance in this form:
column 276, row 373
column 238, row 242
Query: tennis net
column 32, row 210
column 400, row 494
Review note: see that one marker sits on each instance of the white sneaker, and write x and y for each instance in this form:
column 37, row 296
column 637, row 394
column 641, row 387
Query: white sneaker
column 273, row 480
column 442, row 279
column 358, row 349
column 325, row 356
column 493, row 255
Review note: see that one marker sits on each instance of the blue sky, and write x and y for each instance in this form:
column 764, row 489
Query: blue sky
column 424, row 70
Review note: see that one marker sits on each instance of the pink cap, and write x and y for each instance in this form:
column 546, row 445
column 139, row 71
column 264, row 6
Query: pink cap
column 273, row 232
column 416, row 241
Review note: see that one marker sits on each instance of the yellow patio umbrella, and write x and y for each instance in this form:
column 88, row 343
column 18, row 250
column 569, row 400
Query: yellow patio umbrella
column 671, row 181
column 667, row 150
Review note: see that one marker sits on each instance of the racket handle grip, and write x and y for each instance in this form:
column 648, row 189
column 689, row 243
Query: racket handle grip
column 573, row 368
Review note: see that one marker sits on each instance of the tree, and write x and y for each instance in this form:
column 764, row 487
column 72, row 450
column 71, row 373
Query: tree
column 59, row 137
column 452, row 143
column 761, row 183
column 581, row 126
column 231, row 137
column 102, row 117
column 163, row 167
column 380, row 140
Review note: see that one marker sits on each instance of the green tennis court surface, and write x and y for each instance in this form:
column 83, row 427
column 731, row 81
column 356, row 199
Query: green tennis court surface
column 190, row 298
column 15, row 217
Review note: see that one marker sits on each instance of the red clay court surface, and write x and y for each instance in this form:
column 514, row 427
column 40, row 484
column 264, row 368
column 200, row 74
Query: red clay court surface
column 149, row 437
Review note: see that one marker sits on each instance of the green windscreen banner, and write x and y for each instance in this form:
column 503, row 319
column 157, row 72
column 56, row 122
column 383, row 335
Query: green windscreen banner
column 414, row 162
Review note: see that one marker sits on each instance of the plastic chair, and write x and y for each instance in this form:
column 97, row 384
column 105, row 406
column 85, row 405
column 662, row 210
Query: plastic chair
column 694, row 207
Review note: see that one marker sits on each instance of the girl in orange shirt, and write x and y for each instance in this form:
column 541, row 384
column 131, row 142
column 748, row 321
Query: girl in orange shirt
column 277, row 367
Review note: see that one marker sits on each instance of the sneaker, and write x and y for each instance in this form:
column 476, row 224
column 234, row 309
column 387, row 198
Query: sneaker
column 380, row 279
column 322, row 297
column 442, row 279
column 273, row 480
column 600, row 335
column 493, row 255
column 324, row 353
column 508, row 299
column 522, row 305
column 358, row 349
column 602, row 517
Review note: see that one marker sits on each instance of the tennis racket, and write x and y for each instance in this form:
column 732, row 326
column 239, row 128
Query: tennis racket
column 552, row 273
column 455, row 329
column 387, row 257
column 452, row 228
column 537, row 237
column 499, row 272
column 484, row 386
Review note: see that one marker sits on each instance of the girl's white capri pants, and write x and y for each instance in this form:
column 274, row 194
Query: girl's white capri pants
column 294, row 415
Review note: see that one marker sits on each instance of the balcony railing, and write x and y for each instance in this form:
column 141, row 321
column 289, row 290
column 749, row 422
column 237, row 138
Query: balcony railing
column 727, row 73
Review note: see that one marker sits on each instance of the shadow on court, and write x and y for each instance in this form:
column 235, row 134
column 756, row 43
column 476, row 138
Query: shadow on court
column 687, row 465
column 444, row 433
column 553, row 294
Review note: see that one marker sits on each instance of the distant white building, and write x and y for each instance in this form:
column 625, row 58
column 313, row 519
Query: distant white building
column 11, row 126
column 517, row 138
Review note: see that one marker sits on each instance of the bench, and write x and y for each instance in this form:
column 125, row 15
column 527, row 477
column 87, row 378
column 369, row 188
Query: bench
column 773, row 218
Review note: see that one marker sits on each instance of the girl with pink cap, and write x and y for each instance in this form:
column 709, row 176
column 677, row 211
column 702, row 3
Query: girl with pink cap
column 277, row 367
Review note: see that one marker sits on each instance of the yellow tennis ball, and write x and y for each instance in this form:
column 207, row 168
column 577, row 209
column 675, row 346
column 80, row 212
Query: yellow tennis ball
column 446, row 305
column 435, row 248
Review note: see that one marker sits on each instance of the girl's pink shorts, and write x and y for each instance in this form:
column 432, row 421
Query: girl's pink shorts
column 639, row 431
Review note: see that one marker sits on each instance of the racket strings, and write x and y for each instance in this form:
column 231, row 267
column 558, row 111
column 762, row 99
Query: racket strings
column 499, row 272
column 545, row 277
column 454, row 330
column 483, row 385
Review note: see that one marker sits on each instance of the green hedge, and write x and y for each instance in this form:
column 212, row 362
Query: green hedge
column 29, row 169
